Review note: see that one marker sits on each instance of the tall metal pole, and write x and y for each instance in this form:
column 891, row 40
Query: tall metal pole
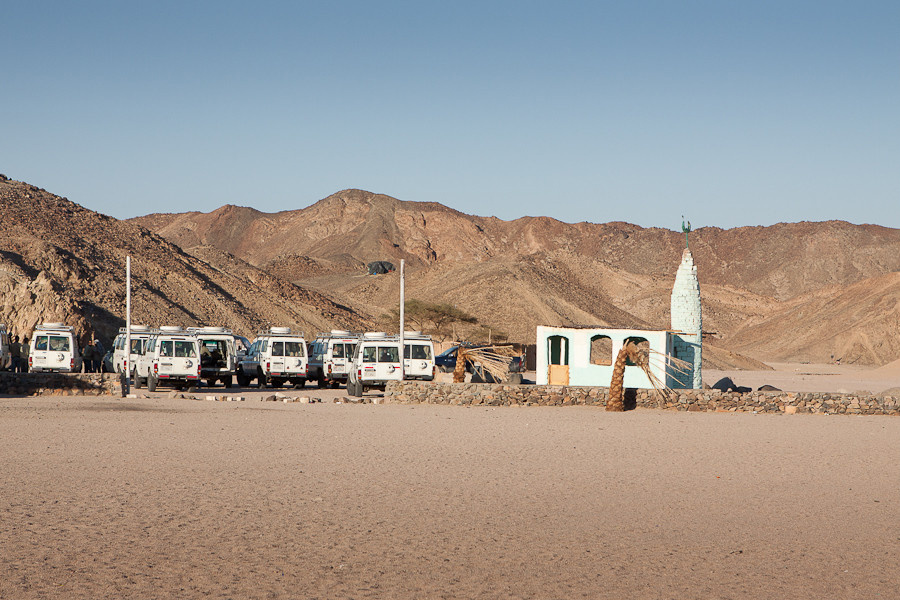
column 126, row 380
column 402, row 319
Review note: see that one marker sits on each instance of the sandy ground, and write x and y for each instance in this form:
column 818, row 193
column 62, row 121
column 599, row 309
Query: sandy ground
column 795, row 377
column 163, row 497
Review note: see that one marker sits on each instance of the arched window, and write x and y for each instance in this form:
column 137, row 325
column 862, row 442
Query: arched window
column 642, row 343
column 601, row 350
column 558, row 350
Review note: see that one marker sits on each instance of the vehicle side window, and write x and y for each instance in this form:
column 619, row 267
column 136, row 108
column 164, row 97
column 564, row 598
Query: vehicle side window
column 41, row 343
column 185, row 349
column 294, row 349
column 263, row 344
column 277, row 348
column 351, row 350
column 387, row 354
column 419, row 352
column 137, row 346
column 59, row 343
column 369, row 353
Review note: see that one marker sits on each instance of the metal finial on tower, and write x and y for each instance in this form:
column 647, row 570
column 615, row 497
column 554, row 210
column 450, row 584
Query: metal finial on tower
column 686, row 229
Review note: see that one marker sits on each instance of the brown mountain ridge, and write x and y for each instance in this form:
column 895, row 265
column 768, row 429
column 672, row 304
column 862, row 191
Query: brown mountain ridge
column 62, row 262
column 790, row 292
column 517, row 274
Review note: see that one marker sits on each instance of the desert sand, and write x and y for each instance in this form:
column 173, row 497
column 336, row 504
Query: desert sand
column 797, row 377
column 164, row 497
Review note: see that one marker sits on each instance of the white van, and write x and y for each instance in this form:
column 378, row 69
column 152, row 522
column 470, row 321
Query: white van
column 418, row 356
column 172, row 356
column 274, row 357
column 5, row 358
column 139, row 336
column 330, row 356
column 54, row 348
column 375, row 362
column 218, row 354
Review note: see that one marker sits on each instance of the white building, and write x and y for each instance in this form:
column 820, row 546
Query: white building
column 575, row 356
column 687, row 321
column 585, row 356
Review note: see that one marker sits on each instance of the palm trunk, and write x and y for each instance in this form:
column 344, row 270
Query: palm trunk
column 616, row 402
column 459, row 373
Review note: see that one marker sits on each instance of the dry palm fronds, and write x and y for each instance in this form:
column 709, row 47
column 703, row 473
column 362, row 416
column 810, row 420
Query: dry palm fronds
column 493, row 359
column 641, row 358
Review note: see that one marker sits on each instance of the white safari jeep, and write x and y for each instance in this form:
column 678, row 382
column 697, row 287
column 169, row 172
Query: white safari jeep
column 330, row 356
column 418, row 356
column 54, row 348
column 274, row 357
column 375, row 362
column 139, row 336
column 218, row 354
column 170, row 356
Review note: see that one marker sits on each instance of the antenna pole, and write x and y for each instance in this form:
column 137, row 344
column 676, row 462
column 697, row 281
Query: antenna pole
column 126, row 376
column 402, row 319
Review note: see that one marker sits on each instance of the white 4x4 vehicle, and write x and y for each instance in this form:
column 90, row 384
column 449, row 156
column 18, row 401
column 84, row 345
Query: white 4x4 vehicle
column 171, row 356
column 375, row 362
column 330, row 356
column 274, row 357
column 139, row 336
column 418, row 356
column 54, row 348
column 218, row 354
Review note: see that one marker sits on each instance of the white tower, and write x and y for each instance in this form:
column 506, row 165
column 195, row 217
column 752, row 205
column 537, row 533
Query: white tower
column 687, row 319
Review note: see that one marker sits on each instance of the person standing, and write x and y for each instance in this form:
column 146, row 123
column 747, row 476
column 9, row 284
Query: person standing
column 15, row 352
column 90, row 353
column 24, row 351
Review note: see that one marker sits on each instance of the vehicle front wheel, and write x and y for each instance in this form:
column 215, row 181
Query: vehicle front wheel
column 227, row 381
column 243, row 380
column 211, row 382
column 261, row 379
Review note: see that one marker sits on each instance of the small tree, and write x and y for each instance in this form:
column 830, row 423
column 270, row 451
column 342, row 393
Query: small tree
column 434, row 319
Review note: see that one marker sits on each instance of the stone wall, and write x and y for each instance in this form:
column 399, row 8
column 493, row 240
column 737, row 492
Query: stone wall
column 418, row 392
column 59, row 384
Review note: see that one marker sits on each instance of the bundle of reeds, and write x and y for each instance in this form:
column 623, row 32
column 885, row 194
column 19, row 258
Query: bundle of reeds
column 492, row 359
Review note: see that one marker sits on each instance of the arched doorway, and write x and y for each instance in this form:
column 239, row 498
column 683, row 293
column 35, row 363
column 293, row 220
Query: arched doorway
column 558, row 360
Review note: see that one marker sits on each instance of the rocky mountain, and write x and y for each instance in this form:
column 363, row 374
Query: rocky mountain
column 792, row 291
column 62, row 262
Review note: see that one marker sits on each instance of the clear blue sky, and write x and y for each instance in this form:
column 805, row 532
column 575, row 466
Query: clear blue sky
column 729, row 112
